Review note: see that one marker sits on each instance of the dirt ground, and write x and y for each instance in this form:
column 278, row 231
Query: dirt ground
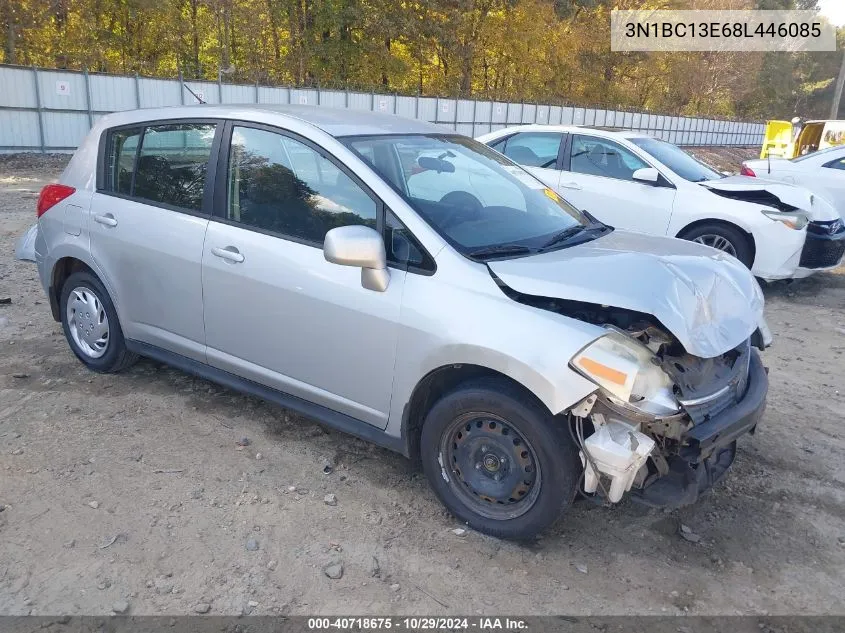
column 130, row 492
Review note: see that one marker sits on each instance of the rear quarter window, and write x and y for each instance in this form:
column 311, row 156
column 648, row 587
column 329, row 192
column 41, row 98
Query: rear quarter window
column 169, row 167
column 121, row 149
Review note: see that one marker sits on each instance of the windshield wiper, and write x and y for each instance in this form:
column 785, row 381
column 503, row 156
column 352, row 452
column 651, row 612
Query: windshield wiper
column 562, row 236
column 499, row 250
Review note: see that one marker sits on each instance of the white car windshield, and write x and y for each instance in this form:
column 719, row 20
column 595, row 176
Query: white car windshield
column 481, row 202
column 677, row 160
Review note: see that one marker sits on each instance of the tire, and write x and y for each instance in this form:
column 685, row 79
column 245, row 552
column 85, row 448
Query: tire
column 494, row 426
column 710, row 235
column 84, row 304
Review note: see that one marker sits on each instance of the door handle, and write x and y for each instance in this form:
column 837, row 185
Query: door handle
column 570, row 185
column 230, row 254
column 107, row 219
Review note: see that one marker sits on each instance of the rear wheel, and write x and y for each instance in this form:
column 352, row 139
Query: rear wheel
column 725, row 238
column 90, row 324
column 497, row 460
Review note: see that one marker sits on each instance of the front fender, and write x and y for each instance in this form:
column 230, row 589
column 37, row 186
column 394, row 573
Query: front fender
column 447, row 325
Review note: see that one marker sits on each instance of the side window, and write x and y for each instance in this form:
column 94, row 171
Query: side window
column 836, row 164
column 598, row 157
column 120, row 160
column 533, row 149
column 403, row 250
column 278, row 184
column 173, row 163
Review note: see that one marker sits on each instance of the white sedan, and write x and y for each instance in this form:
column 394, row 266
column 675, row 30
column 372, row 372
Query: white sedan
column 821, row 172
column 636, row 182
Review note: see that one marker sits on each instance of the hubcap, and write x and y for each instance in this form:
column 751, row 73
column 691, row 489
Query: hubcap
column 718, row 242
column 87, row 322
column 490, row 466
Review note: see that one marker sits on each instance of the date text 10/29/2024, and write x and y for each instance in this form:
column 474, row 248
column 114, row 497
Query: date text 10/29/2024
column 417, row 623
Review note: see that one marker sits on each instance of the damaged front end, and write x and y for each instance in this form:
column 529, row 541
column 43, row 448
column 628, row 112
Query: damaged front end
column 667, row 458
column 663, row 424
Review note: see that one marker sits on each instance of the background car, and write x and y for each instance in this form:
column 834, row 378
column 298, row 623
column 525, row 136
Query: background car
column 821, row 172
column 634, row 181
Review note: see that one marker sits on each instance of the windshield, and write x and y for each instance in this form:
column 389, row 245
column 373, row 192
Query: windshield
column 677, row 160
column 474, row 197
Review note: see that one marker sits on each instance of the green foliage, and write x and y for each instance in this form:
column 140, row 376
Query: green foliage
column 551, row 51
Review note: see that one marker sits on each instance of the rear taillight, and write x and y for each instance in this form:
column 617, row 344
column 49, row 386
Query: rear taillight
column 52, row 195
column 747, row 171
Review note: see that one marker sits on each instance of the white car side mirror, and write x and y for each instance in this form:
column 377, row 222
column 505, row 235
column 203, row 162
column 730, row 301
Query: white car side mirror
column 647, row 175
column 359, row 246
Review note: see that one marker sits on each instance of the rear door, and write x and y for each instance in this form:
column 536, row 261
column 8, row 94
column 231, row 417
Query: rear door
column 538, row 152
column 597, row 177
column 149, row 216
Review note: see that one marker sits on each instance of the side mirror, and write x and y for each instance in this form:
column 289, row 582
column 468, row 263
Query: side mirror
column 646, row 175
column 359, row 246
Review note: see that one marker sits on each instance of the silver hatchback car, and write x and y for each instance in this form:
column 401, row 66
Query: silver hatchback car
column 524, row 352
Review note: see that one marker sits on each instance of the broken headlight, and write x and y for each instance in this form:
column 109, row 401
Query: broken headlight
column 795, row 221
column 628, row 373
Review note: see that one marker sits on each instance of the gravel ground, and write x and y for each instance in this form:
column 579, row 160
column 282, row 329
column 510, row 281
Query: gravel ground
column 130, row 491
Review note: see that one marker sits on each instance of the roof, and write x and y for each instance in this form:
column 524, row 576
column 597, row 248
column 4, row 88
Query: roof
column 334, row 121
column 347, row 122
column 607, row 132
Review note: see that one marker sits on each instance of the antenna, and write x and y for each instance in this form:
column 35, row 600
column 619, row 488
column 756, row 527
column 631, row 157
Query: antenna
column 196, row 96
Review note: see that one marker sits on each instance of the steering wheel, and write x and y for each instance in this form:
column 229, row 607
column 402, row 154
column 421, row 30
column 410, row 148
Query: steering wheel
column 466, row 205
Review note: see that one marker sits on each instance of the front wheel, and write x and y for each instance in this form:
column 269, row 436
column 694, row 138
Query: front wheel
column 498, row 461
column 724, row 238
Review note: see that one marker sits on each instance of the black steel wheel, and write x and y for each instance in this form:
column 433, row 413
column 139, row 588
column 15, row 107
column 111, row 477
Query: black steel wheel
column 494, row 467
column 498, row 460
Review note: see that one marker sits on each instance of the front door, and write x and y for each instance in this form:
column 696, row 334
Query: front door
column 275, row 310
column 598, row 178
column 148, row 222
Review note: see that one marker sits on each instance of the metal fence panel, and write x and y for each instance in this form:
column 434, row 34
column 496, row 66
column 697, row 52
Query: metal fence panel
column 360, row 101
column 529, row 113
column 53, row 109
column 500, row 112
column 542, row 116
column 237, row 94
column 407, row 107
column 466, row 111
column 65, row 129
column 428, row 109
column 61, row 90
column 272, row 95
column 464, row 128
column 155, row 93
column 110, row 93
column 19, row 129
column 17, row 88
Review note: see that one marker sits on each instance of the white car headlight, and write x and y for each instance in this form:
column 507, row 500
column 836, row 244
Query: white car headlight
column 794, row 220
column 628, row 373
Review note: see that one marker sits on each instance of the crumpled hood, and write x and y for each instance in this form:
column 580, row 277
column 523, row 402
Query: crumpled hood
column 817, row 207
column 707, row 299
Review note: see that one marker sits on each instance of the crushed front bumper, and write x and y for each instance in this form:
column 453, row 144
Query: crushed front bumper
column 823, row 248
column 709, row 448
